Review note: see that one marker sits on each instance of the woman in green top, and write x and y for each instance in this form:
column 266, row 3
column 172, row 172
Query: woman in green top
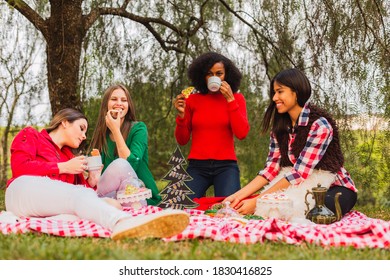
column 123, row 144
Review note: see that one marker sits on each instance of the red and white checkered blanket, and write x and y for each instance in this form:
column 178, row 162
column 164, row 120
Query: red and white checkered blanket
column 355, row 229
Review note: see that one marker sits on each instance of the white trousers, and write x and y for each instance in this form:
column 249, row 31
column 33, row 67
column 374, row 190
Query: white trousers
column 36, row 196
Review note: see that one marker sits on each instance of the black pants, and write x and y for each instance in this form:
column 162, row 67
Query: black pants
column 347, row 199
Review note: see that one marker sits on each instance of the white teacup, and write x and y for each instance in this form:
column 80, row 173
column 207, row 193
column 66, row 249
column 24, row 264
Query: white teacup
column 214, row 83
column 94, row 162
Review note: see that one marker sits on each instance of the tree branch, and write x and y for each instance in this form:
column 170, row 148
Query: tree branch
column 372, row 30
column 31, row 15
column 91, row 18
column 255, row 31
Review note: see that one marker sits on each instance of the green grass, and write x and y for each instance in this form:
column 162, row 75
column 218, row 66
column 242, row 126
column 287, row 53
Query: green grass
column 33, row 246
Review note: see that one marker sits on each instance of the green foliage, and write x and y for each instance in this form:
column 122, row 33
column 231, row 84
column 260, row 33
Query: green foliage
column 369, row 163
column 154, row 107
column 252, row 151
column 91, row 111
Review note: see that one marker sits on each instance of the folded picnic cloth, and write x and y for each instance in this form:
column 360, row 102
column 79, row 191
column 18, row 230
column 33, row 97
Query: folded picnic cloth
column 7, row 217
column 354, row 229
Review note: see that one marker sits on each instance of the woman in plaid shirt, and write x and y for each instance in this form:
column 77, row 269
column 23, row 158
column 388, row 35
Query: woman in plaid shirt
column 304, row 139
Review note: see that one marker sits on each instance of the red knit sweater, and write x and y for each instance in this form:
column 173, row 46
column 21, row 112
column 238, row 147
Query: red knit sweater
column 213, row 123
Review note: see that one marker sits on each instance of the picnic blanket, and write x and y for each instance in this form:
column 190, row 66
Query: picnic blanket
column 354, row 229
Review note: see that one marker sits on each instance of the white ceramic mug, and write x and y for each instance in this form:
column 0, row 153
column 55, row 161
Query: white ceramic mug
column 214, row 83
column 94, row 162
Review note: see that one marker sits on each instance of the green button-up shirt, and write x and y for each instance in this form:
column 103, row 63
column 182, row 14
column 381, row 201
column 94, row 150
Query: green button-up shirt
column 137, row 141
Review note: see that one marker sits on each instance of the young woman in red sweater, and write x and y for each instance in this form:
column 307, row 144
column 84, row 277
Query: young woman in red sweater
column 211, row 120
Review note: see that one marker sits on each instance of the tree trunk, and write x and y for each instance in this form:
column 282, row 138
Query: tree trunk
column 64, row 43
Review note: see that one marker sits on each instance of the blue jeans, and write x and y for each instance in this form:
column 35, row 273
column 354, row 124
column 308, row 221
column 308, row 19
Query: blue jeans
column 223, row 174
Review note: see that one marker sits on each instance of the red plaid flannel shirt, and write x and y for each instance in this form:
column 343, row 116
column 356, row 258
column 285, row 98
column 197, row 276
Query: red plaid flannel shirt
column 320, row 135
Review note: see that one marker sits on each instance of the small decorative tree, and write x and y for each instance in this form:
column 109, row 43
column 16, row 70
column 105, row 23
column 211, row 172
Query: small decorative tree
column 175, row 194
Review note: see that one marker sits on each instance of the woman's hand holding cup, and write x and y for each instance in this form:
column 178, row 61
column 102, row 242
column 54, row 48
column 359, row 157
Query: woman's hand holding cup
column 75, row 165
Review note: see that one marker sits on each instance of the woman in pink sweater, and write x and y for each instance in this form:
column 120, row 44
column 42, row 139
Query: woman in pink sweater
column 210, row 118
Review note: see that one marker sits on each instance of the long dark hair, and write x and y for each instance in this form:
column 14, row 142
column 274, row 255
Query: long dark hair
column 67, row 114
column 297, row 81
column 70, row 115
column 199, row 68
column 99, row 140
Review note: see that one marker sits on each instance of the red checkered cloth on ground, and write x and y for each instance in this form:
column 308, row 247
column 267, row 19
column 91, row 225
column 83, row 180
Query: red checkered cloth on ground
column 78, row 228
column 355, row 229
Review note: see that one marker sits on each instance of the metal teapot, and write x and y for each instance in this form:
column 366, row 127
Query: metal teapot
column 320, row 214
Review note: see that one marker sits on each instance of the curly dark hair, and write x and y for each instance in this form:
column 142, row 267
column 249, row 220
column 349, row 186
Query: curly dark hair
column 198, row 69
